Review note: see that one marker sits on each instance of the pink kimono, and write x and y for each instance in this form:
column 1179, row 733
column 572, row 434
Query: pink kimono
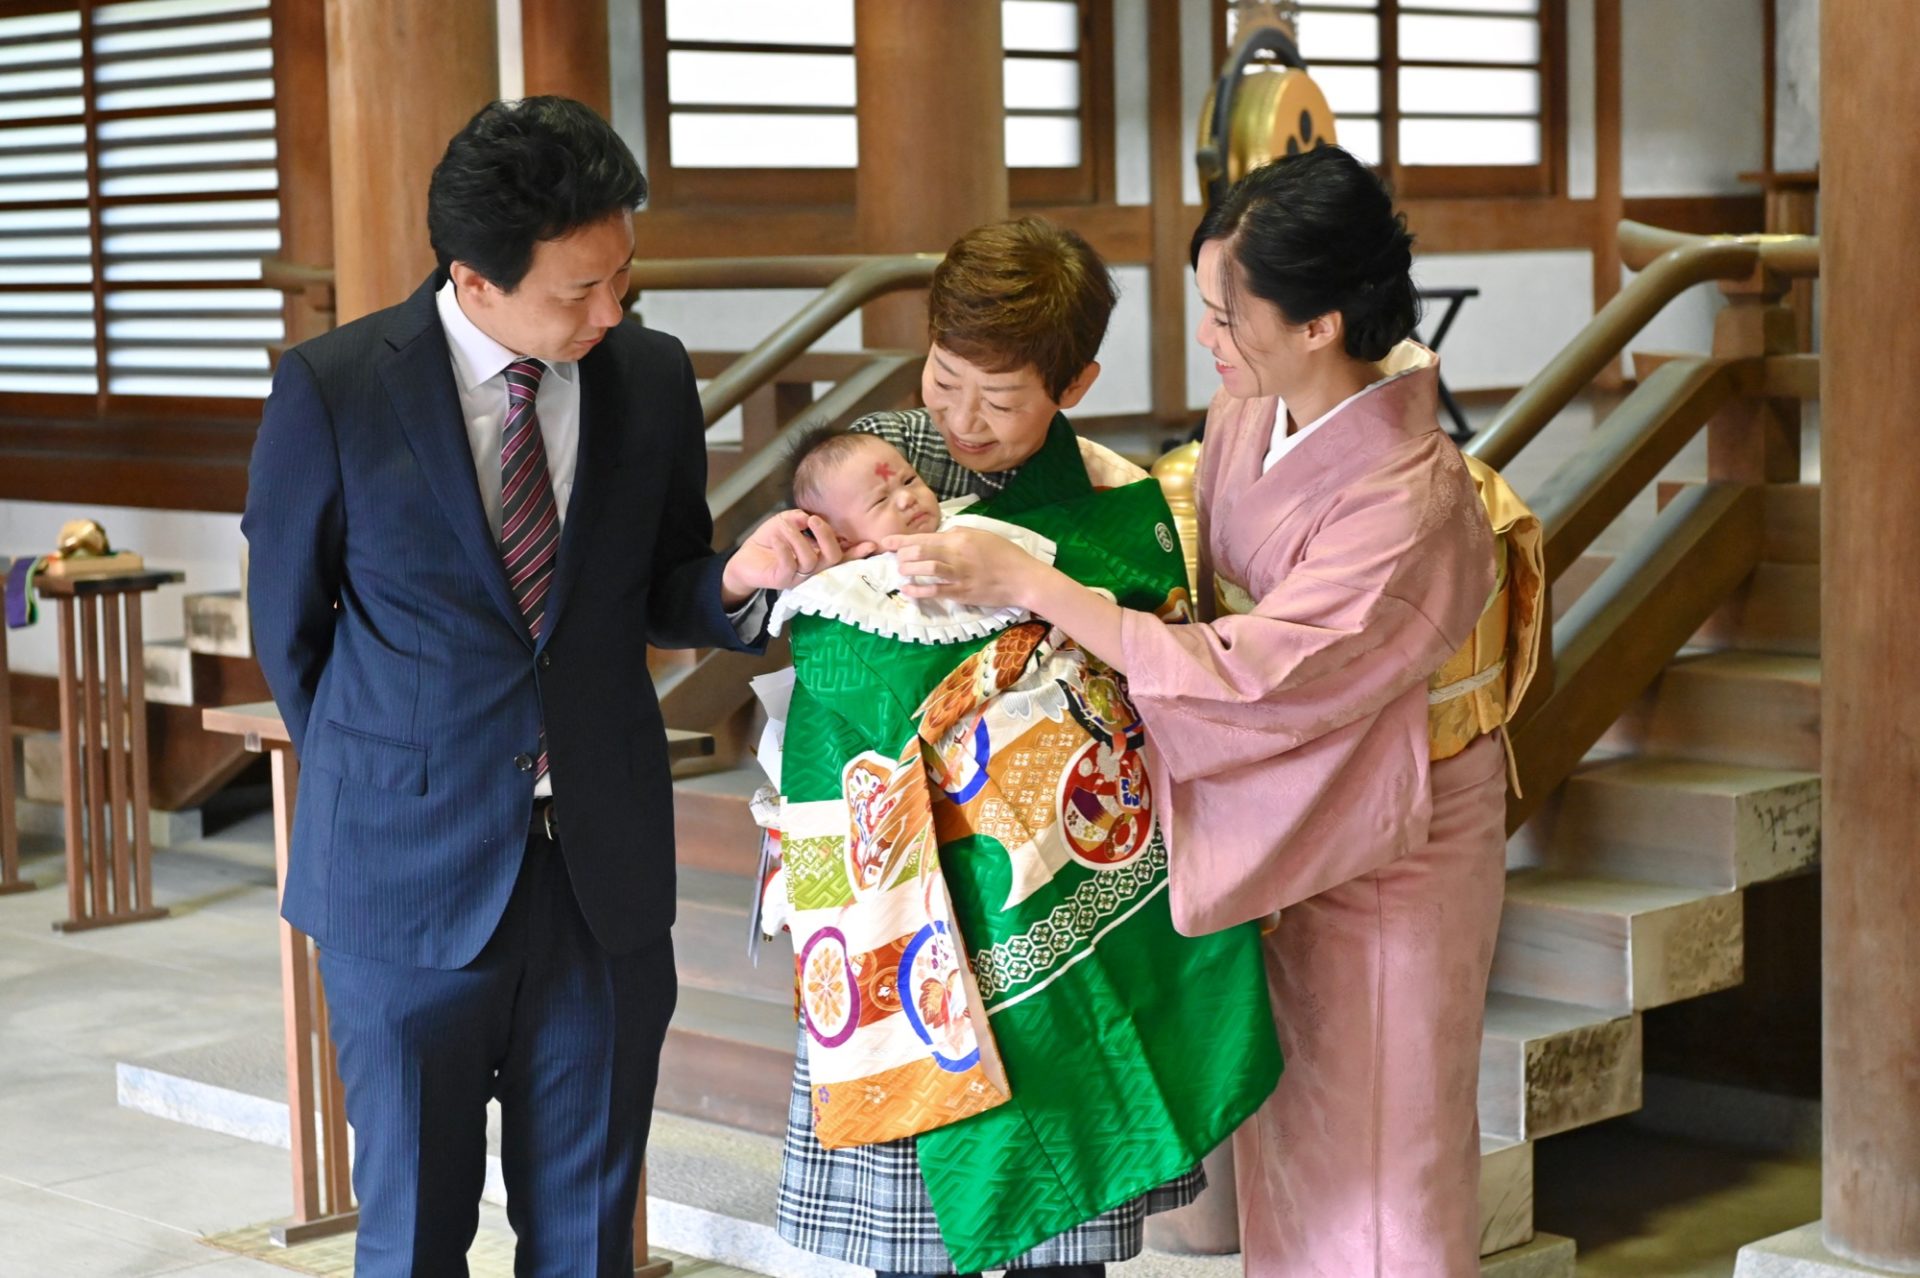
column 1292, row 744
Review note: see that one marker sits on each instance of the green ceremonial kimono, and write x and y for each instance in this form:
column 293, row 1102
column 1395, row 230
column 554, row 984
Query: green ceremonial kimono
column 1131, row 1051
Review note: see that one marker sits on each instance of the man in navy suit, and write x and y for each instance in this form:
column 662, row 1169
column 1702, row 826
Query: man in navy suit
column 469, row 515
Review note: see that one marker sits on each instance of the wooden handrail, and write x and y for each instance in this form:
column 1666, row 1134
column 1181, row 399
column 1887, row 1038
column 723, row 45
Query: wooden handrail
column 872, row 278
column 1619, row 635
column 1797, row 256
column 1685, row 260
column 739, row 500
column 1626, row 452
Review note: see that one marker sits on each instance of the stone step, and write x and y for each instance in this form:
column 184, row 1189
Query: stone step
column 1549, row 1067
column 712, row 827
column 710, row 941
column 1613, row 944
column 728, row 1059
column 1685, row 821
column 712, row 1188
column 217, row 623
column 1761, row 709
column 1506, row 1193
column 179, row 676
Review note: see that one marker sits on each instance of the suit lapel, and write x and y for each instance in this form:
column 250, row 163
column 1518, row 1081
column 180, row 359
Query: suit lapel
column 599, row 425
column 418, row 376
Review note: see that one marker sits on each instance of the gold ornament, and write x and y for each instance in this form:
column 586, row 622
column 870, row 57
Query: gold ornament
column 1276, row 111
column 83, row 539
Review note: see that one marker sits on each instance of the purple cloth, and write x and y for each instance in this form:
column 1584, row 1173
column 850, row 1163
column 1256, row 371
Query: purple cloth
column 20, row 606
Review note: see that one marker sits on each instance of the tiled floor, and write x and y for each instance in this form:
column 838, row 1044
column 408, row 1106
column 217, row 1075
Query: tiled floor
column 89, row 1189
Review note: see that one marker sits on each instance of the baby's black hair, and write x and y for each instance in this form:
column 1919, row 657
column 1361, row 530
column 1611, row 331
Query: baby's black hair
column 817, row 444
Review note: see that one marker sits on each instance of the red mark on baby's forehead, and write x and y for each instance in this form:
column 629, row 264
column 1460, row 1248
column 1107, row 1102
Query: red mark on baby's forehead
column 883, row 469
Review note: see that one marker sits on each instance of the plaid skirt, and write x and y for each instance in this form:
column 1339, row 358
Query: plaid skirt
column 867, row 1205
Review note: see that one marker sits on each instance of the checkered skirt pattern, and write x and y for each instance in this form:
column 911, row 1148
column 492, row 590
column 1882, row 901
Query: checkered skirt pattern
column 867, row 1205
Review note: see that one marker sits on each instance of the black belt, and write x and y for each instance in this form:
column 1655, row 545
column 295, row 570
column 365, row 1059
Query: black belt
column 544, row 821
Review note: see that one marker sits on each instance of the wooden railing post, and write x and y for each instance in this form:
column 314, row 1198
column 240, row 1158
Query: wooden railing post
column 1755, row 439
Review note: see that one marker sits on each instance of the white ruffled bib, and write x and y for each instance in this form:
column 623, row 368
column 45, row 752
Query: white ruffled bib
column 866, row 592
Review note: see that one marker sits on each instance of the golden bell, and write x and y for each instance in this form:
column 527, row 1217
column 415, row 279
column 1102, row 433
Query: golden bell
column 83, row 539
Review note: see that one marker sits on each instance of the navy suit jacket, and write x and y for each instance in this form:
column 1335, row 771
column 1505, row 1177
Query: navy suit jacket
column 409, row 683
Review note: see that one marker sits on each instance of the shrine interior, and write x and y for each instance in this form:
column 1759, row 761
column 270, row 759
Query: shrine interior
column 1668, row 272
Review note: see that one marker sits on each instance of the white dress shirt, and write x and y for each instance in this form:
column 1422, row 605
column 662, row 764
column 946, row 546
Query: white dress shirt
column 479, row 365
column 479, row 368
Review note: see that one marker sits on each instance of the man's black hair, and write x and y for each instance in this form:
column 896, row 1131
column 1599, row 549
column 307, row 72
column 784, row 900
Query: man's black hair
column 521, row 172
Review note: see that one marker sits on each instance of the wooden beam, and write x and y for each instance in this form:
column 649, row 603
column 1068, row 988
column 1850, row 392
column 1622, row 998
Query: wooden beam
column 1168, row 134
column 1870, row 691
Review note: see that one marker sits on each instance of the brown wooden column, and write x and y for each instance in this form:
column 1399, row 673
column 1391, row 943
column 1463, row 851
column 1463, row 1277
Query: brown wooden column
column 1870, row 613
column 403, row 76
column 303, row 157
column 933, row 160
column 1609, row 201
column 1170, row 150
column 563, row 48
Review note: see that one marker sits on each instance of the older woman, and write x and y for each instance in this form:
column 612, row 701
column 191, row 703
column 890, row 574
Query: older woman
column 1302, row 737
column 1017, row 312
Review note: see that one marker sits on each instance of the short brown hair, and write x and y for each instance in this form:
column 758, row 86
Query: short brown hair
column 1010, row 294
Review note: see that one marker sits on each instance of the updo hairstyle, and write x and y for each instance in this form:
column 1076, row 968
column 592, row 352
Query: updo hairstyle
column 1314, row 233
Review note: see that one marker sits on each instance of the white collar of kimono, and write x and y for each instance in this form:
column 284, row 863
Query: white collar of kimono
column 1408, row 357
column 866, row 592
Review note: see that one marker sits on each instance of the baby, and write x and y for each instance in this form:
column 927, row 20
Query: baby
column 861, row 485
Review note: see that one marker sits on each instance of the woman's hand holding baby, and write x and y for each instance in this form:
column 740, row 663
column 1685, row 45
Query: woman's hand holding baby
column 978, row 568
column 968, row 566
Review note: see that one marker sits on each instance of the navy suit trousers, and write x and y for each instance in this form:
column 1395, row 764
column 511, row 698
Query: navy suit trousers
column 566, row 1035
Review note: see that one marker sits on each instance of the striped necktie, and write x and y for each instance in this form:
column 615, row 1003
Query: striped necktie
column 529, row 519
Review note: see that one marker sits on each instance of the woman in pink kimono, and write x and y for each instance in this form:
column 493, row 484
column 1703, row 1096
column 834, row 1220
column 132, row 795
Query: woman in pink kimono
column 1351, row 559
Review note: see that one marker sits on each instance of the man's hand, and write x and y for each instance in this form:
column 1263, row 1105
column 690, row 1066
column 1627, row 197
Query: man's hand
column 969, row 566
column 781, row 553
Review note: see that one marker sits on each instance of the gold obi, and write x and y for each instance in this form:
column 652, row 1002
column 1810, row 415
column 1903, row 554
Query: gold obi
column 1477, row 689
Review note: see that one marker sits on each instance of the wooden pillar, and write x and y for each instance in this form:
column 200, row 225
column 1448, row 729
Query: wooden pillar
column 403, row 76
column 1170, row 151
column 933, row 160
column 563, row 48
column 303, row 158
column 1870, row 613
column 1609, row 201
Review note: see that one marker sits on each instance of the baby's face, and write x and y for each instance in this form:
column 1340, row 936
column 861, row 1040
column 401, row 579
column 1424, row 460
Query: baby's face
column 872, row 493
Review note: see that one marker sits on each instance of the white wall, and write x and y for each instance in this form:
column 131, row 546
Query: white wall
column 205, row 547
column 1692, row 105
column 1796, row 121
